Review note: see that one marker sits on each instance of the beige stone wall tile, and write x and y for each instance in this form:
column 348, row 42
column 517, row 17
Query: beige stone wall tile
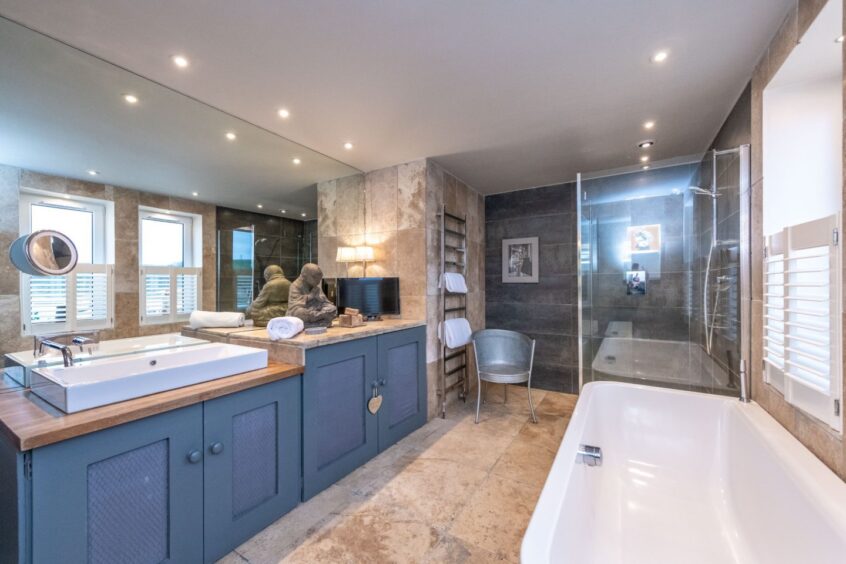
column 385, row 250
column 349, row 205
column 9, row 205
column 327, row 224
column 411, row 261
column 413, row 306
column 380, row 188
column 126, row 266
column 411, row 195
column 126, row 213
column 10, row 329
column 150, row 200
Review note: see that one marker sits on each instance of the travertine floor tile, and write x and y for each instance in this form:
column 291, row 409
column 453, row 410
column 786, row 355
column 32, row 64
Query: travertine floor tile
column 433, row 489
column 525, row 462
column 560, row 405
column 374, row 533
column 451, row 491
column 497, row 516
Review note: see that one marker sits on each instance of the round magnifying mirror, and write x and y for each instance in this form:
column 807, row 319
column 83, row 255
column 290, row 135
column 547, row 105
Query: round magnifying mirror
column 43, row 253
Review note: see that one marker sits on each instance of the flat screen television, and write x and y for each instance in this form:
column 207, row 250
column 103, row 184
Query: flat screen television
column 371, row 296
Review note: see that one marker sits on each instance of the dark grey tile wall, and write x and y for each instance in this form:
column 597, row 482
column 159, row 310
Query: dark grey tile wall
column 278, row 240
column 546, row 311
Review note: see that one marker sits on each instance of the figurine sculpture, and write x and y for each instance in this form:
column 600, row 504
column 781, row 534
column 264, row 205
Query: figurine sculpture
column 272, row 301
column 307, row 300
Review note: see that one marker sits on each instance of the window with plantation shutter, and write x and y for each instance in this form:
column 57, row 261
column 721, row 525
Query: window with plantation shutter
column 79, row 300
column 83, row 299
column 171, row 280
column 802, row 317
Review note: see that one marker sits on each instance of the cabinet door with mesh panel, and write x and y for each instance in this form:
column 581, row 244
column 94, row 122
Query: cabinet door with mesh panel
column 252, row 468
column 402, row 382
column 129, row 494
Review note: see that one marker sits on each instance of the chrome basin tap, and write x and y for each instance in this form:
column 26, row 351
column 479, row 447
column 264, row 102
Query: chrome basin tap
column 67, row 353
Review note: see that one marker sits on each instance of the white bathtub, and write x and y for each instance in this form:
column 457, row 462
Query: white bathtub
column 685, row 478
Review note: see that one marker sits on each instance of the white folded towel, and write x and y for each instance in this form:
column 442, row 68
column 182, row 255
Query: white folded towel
column 200, row 319
column 455, row 283
column 455, row 333
column 284, row 327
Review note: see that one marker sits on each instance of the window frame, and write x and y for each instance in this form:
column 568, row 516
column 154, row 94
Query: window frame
column 191, row 263
column 102, row 251
column 785, row 291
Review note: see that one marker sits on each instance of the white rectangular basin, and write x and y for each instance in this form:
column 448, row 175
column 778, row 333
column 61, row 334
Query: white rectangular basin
column 101, row 382
column 19, row 365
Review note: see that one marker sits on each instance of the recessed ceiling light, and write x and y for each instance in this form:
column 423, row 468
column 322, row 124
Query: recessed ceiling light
column 283, row 113
column 840, row 39
column 93, row 172
column 303, row 214
column 296, row 160
column 195, row 194
column 283, row 211
column 231, row 136
column 646, row 144
column 645, row 167
column 180, row 61
column 644, row 159
column 648, row 124
column 130, row 98
column 348, row 146
column 660, row 56
column 259, row 206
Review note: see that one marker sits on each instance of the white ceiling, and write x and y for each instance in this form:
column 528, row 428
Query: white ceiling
column 504, row 94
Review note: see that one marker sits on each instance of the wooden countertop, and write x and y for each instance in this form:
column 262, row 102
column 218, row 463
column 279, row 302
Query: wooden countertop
column 30, row 422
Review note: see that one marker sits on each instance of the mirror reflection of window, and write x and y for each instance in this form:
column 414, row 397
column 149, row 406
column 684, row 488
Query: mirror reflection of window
column 162, row 242
column 77, row 224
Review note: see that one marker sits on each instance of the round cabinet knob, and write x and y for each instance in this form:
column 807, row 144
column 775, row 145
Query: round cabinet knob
column 195, row 456
column 382, row 382
column 216, row 448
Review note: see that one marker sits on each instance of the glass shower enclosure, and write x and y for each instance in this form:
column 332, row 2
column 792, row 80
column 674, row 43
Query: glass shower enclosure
column 663, row 274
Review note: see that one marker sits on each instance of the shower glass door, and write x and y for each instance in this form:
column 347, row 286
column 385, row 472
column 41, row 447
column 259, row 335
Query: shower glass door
column 661, row 275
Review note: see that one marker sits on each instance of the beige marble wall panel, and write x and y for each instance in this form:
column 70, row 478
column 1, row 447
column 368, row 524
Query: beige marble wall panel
column 349, row 205
column 411, row 195
column 380, row 198
column 327, row 224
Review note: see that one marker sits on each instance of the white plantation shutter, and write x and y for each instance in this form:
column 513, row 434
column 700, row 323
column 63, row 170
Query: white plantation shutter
column 82, row 299
column 774, row 312
column 187, row 291
column 169, row 294
column 808, row 289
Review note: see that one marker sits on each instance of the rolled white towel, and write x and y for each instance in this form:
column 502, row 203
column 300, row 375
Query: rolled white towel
column 200, row 319
column 455, row 333
column 284, row 327
column 454, row 283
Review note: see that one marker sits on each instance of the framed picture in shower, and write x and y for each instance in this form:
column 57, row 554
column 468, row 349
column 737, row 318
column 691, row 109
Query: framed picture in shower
column 520, row 261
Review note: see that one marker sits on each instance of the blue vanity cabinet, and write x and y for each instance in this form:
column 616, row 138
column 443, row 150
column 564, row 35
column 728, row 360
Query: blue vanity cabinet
column 252, row 462
column 402, row 382
column 339, row 433
column 132, row 493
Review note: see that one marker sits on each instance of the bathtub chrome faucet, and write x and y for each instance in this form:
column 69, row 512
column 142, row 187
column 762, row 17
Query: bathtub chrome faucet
column 589, row 455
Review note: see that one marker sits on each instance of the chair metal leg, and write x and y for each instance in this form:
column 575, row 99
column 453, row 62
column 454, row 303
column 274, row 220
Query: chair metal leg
column 531, row 405
column 478, row 400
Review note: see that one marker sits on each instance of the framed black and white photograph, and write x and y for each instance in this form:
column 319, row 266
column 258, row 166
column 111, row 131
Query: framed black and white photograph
column 520, row 260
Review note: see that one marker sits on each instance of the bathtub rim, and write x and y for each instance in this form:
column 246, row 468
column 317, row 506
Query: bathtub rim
column 808, row 473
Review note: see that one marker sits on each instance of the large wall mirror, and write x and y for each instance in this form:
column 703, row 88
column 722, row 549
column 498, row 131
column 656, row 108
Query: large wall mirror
column 69, row 118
